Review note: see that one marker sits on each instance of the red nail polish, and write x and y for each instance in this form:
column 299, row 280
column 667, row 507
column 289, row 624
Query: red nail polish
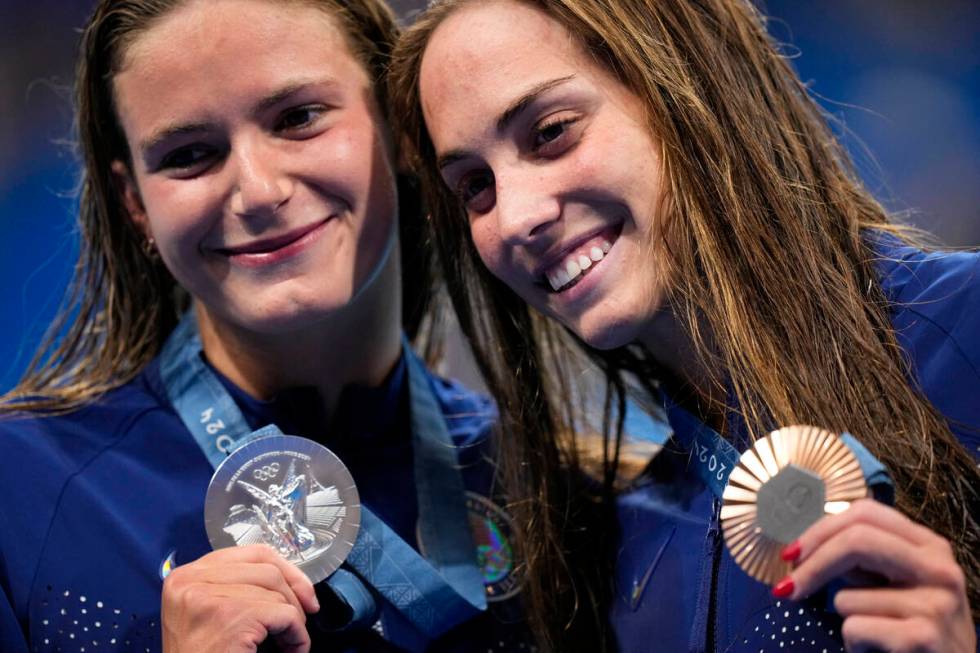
column 783, row 588
column 790, row 552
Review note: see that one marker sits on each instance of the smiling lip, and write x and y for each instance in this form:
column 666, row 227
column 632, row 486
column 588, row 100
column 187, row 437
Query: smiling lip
column 273, row 250
column 558, row 253
column 557, row 275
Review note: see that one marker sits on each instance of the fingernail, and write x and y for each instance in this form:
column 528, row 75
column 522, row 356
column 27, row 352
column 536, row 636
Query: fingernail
column 783, row 588
column 790, row 552
column 316, row 603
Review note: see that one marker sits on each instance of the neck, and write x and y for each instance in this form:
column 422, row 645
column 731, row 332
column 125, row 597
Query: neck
column 670, row 342
column 357, row 344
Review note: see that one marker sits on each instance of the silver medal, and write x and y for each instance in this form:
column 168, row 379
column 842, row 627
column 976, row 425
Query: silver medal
column 290, row 493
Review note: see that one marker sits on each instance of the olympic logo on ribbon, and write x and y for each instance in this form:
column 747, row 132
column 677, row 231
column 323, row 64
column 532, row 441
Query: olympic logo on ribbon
column 266, row 472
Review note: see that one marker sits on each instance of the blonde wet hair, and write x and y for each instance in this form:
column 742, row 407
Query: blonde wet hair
column 122, row 302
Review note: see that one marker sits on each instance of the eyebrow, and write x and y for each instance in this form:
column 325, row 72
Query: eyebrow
column 181, row 129
column 509, row 114
column 163, row 134
column 290, row 89
column 522, row 103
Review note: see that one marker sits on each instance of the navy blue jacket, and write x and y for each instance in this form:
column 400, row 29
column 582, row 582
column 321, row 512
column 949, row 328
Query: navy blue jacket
column 97, row 505
column 677, row 587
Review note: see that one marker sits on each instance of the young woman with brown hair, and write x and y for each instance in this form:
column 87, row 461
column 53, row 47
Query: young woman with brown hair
column 240, row 267
column 654, row 178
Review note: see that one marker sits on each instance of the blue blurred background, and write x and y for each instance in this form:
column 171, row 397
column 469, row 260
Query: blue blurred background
column 902, row 75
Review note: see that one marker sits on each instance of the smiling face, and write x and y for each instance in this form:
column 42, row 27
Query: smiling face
column 260, row 166
column 555, row 164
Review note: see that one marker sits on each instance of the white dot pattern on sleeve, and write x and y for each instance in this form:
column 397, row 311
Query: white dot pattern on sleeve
column 71, row 622
column 790, row 626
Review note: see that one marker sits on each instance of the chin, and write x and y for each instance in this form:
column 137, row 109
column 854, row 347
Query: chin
column 288, row 317
column 608, row 335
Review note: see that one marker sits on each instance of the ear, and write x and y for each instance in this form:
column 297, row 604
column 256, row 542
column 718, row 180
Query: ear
column 130, row 195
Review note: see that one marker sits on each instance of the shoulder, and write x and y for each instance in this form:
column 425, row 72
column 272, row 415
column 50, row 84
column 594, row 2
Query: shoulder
column 68, row 440
column 470, row 415
column 471, row 419
column 935, row 311
column 934, row 283
column 43, row 454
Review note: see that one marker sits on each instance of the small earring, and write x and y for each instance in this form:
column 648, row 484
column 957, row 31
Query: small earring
column 150, row 249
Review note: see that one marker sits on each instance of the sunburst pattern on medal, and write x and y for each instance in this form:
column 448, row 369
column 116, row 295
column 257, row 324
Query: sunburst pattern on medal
column 807, row 448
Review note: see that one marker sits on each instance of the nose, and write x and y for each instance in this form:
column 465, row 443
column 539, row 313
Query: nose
column 525, row 208
column 262, row 186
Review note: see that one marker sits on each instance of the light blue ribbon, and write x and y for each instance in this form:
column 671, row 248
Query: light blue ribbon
column 715, row 457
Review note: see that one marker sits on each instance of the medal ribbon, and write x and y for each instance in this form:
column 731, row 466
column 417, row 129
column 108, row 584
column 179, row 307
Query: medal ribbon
column 715, row 457
column 431, row 595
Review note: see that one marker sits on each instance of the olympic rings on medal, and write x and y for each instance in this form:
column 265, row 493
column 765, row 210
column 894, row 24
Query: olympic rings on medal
column 266, row 472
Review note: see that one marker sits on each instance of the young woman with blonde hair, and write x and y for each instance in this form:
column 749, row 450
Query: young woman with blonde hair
column 240, row 268
column 653, row 178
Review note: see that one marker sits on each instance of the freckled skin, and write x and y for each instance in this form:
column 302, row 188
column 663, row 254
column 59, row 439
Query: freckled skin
column 606, row 170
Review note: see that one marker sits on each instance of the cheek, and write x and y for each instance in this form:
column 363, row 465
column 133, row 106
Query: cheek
column 339, row 151
column 356, row 159
column 624, row 161
column 177, row 214
column 489, row 246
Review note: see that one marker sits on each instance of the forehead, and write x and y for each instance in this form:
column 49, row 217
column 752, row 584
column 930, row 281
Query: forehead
column 211, row 27
column 226, row 50
column 488, row 52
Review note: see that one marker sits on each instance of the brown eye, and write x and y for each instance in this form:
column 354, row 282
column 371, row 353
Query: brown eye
column 299, row 118
column 473, row 188
column 551, row 134
column 472, row 185
column 186, row 158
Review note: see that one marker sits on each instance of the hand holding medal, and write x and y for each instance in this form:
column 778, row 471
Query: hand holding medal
column 794, row 516
column 282, row 513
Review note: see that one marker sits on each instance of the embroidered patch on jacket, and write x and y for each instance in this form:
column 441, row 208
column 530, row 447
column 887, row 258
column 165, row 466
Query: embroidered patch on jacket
column 492, row 534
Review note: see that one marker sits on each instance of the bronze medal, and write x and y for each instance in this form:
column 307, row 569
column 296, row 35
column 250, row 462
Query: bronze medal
column 783, row 484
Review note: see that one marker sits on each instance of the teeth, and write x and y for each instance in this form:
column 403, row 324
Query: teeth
column 557, row 280
column 576, row 264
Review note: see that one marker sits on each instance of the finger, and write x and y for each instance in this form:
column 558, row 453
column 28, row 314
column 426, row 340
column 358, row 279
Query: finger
column 866, row 511
column 250, row 553
column 863, row 634
column 250, row 594
column 259, row 574
column 297, row 581
column 258, row 622
column 262, row 553
column 287, row 629
column 858, row 547
column 898, row 603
